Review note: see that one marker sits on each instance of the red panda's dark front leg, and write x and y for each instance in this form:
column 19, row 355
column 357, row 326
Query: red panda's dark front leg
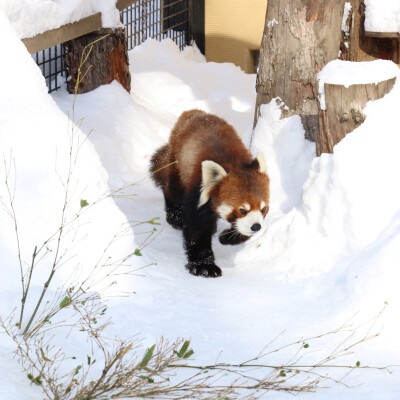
column 199, row 253
column 232, row 236
column 174, row 213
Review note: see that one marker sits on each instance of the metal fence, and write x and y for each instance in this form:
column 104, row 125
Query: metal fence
column 158, row 19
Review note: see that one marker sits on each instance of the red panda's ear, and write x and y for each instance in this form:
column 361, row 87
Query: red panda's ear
column 211, row 174
column 261, row 162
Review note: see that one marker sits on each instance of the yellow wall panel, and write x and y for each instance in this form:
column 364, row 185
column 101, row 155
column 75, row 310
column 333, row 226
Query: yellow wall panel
column 233, row 31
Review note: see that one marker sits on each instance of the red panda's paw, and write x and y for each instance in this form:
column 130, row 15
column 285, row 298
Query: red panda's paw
column 208, row 270
column 232, row 236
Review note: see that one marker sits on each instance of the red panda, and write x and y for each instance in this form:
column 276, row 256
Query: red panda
column 205, row 172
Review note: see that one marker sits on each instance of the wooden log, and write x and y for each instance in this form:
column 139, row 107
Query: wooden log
column 343, row 111
column 108, row 60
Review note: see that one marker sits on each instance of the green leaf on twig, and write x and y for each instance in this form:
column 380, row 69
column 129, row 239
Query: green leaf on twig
column 43, row 355
column 36, row 381
column 84, row 203
column 147, row 379
column 183, row 352
column 358, row 363
column 153, row 221
column 137, row 252
column 188, row 354
column 183, row 349
column 65, row 302
column 147, row 356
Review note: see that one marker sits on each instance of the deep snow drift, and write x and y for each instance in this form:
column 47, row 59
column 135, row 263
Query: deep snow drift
column 330, row 248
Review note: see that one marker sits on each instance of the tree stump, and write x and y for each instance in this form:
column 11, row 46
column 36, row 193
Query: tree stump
column 343, row 111
column 107, row 60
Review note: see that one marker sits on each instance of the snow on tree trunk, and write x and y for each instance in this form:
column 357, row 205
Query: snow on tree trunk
column 108, row 60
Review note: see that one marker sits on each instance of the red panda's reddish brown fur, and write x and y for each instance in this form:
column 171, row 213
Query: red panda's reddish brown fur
column 205, row 171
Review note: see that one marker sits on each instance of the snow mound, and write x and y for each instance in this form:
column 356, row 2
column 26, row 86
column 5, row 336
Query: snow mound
column 347, row 73
column 36, row 138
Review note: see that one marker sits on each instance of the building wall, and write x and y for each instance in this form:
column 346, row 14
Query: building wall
column 233, row 31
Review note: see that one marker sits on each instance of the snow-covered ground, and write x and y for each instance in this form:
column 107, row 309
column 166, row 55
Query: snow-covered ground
column 330, row 251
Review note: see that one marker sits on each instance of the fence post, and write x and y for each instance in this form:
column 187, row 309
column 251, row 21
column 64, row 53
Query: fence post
column 196, row 24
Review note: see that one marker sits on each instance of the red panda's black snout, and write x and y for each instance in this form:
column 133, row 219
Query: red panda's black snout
column 205, row 172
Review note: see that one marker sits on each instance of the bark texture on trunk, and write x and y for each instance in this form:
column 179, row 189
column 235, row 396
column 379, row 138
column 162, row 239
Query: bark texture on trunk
column 300, row 38
column 108, row 60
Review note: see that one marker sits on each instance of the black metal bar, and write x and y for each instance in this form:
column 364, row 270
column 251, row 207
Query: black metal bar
column 174, row 26
column 172, row 3
column 196, row 24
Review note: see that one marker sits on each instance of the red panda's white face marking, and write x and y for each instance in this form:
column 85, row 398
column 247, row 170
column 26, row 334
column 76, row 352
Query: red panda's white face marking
column 250, row 223
column 245, row 220
column 224, row 210
column 246, row 206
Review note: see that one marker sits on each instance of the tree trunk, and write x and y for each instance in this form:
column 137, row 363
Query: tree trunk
column 300, row 38
column 108, row 60
column 344, row 110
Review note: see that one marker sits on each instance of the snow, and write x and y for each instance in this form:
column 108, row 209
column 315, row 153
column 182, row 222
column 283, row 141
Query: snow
column 330, row 249
column 32, row 17
column 382, row 16
column 346, row 73
column 272, row 23
column 346, row 12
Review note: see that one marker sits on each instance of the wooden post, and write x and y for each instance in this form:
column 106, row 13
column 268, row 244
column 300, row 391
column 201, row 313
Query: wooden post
column 108, row 60
column 343, row 111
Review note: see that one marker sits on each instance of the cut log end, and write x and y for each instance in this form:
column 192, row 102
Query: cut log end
column 107, row 60
column 343, row 111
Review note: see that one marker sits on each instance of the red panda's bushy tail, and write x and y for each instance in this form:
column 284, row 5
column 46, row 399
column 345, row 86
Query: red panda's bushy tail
column 158, row 165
